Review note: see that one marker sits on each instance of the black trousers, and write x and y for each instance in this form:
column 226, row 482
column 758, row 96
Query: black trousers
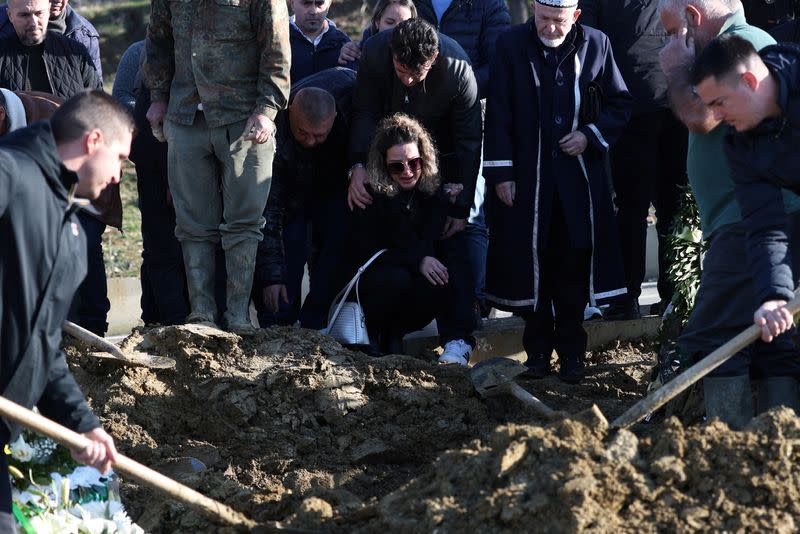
column 557, row 322
column 724, row 306
column 90, row 305
column 648, row 164
column 398, row 300
column 458, row 318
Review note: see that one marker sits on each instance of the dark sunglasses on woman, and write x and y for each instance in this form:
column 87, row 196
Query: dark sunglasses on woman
column 399, row 167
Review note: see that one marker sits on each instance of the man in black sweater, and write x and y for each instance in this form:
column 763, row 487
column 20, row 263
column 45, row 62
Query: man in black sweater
column 42, row 168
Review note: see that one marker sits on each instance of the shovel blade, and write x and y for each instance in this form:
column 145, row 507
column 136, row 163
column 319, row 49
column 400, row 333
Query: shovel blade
column 490, row 375
column 138, row 359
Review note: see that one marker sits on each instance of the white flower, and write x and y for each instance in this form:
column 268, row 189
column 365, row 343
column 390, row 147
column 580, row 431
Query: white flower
column 21, row 451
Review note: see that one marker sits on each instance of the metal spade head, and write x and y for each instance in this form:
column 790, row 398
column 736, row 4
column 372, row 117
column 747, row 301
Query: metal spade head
column 489, row 376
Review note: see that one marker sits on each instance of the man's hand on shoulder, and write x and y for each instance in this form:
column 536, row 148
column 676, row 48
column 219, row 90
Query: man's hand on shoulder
column 258, row 129
column 100, row 453
column 357, row 194
column 773, row 318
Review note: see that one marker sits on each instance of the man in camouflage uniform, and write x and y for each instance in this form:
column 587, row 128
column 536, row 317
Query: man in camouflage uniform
column 218, row 73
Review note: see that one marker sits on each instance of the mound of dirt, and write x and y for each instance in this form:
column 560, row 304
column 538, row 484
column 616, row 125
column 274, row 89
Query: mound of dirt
column 288, row 425
column 575, row 476
column 266, row 422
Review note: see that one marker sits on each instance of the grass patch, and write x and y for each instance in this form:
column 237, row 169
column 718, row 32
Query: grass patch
column 123, row 250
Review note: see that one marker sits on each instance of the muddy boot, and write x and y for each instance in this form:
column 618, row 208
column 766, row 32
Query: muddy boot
column 730, row 399
column 778, row 391
column 198, row 258
column 240, row 261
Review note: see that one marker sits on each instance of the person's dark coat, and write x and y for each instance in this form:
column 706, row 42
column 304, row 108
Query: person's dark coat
column 473, row 24
column 408, row 225
column 78, row 29
column 303, row 178
column 43, row 262
column 308, row 59
column 788, row 32
column 69, row 67
column 511, row 153
column 637, row 36
column 445, row 103
column 762, row 161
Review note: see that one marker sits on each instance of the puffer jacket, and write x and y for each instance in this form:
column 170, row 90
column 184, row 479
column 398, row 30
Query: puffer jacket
column 762, row 161
column 308, row 59
column 473, row 24
column 69, row 67
column 43, row 261
column 78, row 29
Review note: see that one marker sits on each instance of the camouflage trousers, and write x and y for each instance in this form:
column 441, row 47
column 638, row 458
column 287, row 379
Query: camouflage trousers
column 219, row 182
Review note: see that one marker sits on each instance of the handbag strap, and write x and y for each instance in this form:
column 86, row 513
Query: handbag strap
column 340, row 299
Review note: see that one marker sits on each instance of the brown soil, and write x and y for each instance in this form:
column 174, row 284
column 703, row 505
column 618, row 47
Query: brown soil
column 287, row 425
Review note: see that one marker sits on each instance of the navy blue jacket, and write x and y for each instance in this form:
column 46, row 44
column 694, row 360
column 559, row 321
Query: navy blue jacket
column 762, row 161
column 308, row 59
column 78, row 29
column 473, row 24
column 43, row 261
column 514, row 151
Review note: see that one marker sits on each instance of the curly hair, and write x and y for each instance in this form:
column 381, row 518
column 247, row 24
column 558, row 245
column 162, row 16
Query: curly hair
column 414, row 43
column 381, row 6
column 400, row 129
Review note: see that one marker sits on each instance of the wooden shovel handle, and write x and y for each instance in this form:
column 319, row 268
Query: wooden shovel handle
column 73, row 440
column 92, row 339
column 681, row 382
column 538, row 406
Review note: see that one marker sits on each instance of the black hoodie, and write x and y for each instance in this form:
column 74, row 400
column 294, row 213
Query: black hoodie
column 42, row 263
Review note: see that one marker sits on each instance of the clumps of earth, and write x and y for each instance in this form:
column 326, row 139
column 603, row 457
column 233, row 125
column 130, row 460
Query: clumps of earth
column 287, row 425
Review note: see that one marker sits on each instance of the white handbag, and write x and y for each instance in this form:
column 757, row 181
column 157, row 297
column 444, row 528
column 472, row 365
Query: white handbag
column 346, row 321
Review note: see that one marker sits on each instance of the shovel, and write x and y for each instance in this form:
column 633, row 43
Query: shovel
column 112, row 352
column 496, row 376
column 681, row 382
column 73, row 440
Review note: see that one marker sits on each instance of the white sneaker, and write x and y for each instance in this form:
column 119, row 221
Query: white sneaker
column 456, row 351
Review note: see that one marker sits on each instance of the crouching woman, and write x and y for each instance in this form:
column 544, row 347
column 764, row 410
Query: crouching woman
column 405, row 288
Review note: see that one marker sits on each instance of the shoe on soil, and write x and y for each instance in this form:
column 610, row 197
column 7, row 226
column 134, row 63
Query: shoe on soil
column 202, row 320
column 456, row 351
column 535, row 372
column 626, row 310
column 658, row 308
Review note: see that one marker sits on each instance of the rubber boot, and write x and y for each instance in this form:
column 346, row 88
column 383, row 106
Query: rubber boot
column 240, row 262
column 730, row 399
column 778, row 391
column 198, row 259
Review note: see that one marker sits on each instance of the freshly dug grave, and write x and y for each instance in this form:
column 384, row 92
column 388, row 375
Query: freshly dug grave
column 288, row 425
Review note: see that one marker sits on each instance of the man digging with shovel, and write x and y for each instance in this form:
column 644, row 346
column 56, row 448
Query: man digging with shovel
column 42, row 169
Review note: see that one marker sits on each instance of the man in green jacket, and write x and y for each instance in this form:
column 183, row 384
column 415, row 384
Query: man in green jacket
column 218, row 74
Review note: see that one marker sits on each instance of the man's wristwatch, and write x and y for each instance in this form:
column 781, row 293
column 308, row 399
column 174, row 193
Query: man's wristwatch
column 356, row 166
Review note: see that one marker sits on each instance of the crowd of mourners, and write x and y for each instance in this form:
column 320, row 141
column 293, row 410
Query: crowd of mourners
column 495, row 166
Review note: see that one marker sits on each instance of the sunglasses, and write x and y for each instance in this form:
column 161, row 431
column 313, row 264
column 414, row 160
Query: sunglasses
column 399, row 167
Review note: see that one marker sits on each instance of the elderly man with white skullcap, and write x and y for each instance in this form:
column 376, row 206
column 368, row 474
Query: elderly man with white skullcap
column 556, row 103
